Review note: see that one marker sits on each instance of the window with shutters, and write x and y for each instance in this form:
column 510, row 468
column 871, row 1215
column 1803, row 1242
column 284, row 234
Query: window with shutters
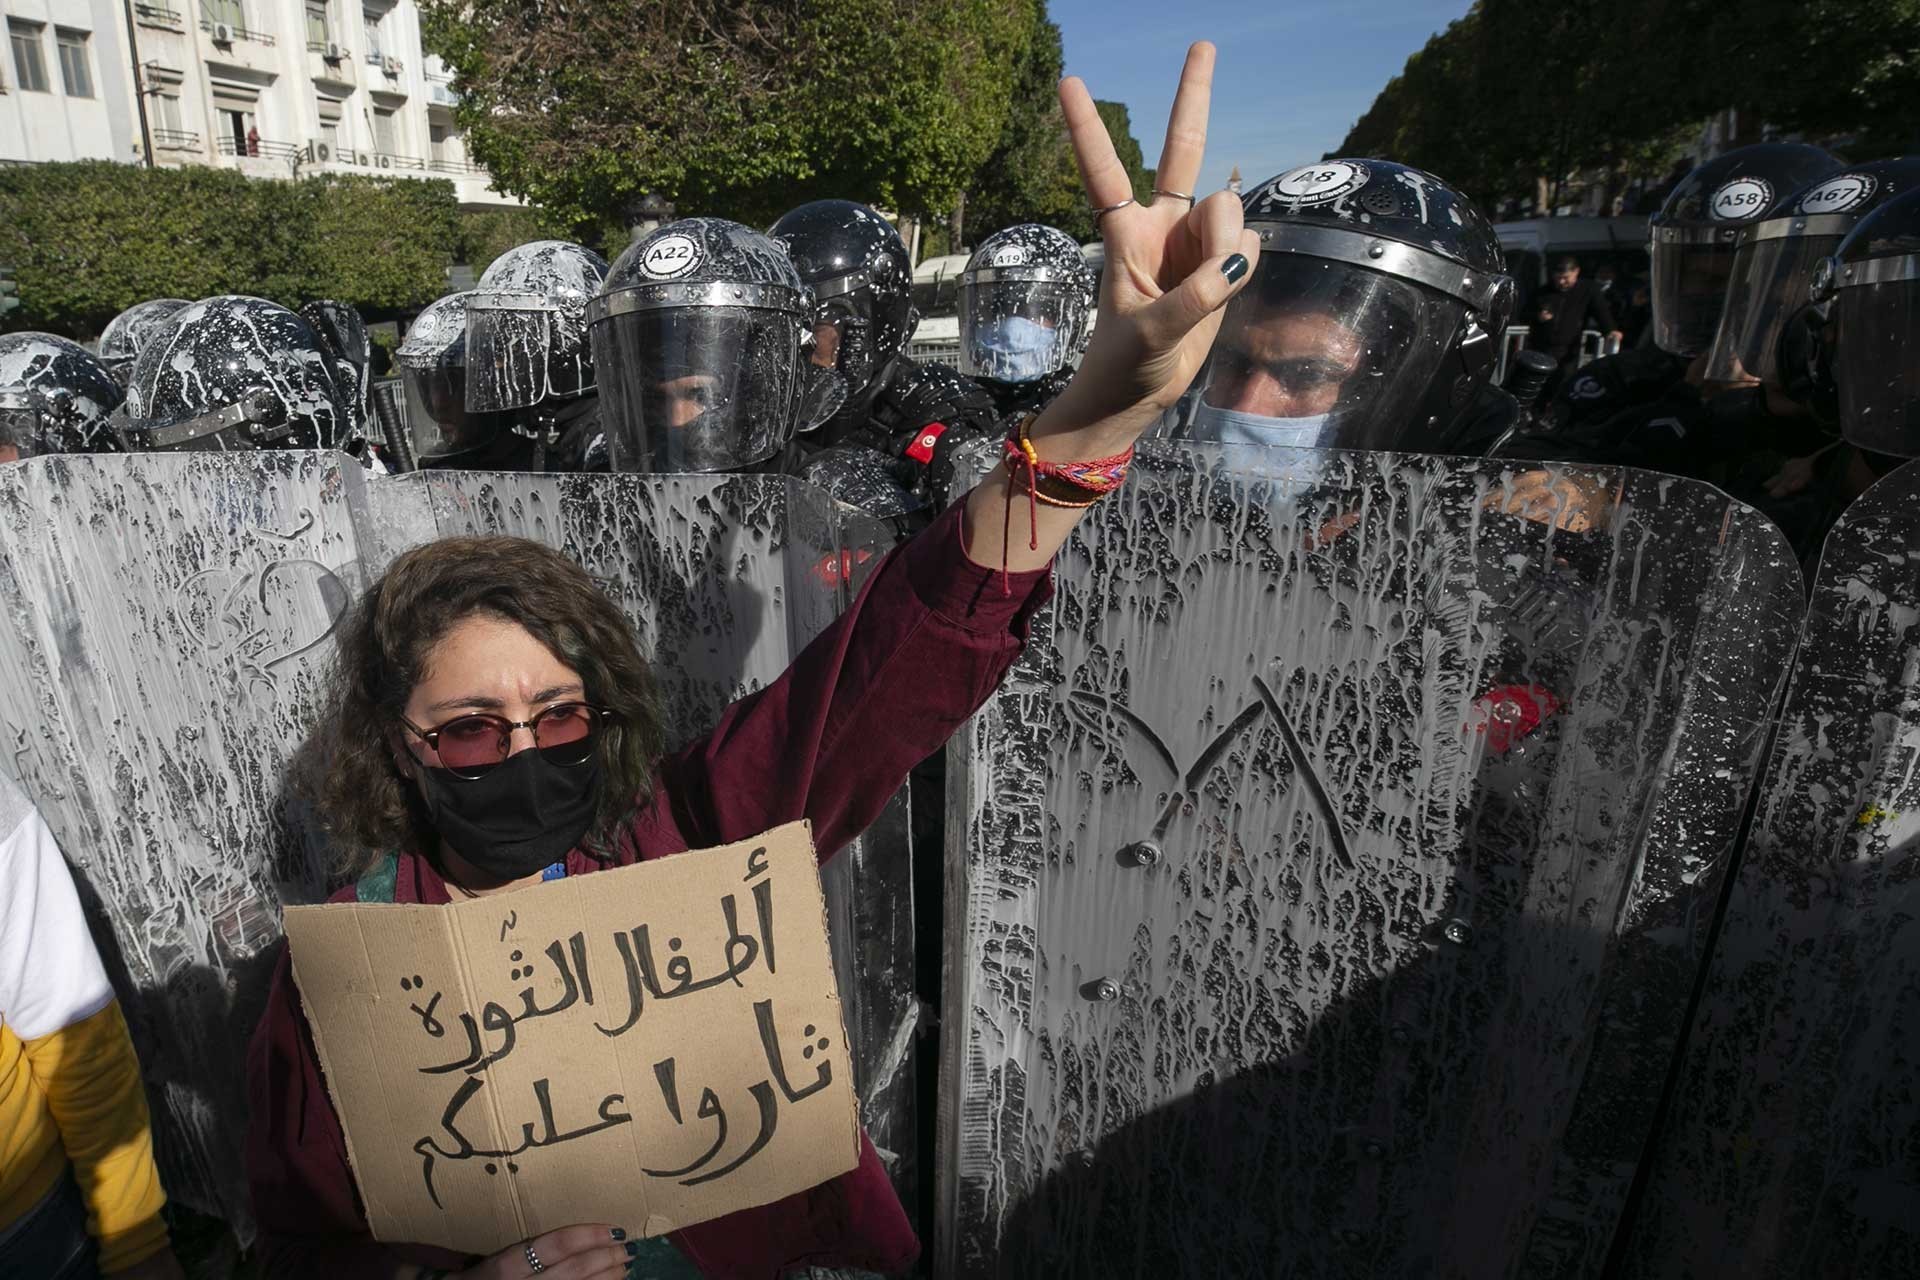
column 319, row 34
column 167, row 111
column 385, row 136
column 330, row 114
column 227, row 11
column 29, row 63
column 75, row 71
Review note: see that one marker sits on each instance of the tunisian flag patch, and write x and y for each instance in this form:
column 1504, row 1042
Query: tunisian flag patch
column 921, row 450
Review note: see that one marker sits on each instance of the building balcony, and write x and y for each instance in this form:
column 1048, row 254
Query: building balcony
column 459, row 167
column 219, row 29
column 161, row 16
column 331, row 63
column 441, row 94
column 176, row 140
column 257, row 149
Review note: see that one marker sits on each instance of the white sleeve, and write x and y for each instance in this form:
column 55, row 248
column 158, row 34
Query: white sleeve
column 50, row 974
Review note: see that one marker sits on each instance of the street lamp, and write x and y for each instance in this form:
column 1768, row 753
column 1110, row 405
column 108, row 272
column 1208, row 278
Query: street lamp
column 647, row 214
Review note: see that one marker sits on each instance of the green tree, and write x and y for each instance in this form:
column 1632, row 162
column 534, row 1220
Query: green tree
column 1031, row 175
column 1516, row 94
column 93, row 238
column 741, row 109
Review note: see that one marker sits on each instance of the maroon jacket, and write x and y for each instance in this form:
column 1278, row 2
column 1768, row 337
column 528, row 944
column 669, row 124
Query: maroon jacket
column 831, row 740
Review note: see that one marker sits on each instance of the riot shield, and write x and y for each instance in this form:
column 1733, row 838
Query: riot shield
column 726, row 578
column 1790, row 1147
column 1337, row 861
column 168, row 632
column 166, row 635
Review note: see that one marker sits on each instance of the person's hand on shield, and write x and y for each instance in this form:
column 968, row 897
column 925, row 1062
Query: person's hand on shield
column 1171, row 266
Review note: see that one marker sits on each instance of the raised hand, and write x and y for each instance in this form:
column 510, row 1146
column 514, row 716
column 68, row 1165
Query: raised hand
column 1171, row 265
column 1170, row 270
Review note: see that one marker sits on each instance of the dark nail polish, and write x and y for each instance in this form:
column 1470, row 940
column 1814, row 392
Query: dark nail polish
column 619, row 1233
column 633, row 1248
column 1235, row 267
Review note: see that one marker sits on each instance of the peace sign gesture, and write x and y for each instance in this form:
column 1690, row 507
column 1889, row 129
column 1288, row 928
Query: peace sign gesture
column 1171, row 265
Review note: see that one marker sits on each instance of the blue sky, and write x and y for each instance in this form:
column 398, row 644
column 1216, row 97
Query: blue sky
column 1292, row 77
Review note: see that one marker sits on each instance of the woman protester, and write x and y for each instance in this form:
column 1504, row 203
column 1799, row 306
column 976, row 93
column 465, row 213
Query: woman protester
column 468, row 652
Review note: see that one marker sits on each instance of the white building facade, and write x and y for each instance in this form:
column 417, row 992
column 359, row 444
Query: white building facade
column 274, row 88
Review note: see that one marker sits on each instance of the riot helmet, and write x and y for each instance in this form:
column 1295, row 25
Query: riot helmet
column 703, row 332
column 55, row 397
column 1370, row 319
column 1696, row 233
column 238, row 373
column 527, row 329
column 433, row 376
column 1871, row 292
column 1774, row 261
column 856, row 267
column 128, row 333
column 1026, row 305
column 345, row 336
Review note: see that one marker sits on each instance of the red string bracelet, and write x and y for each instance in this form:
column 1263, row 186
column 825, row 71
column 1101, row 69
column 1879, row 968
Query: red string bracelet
column 1074, row 485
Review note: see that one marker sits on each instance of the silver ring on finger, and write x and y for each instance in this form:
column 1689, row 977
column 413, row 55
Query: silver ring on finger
column 533, row 1260
column 1175, row 195
column 1103, row 212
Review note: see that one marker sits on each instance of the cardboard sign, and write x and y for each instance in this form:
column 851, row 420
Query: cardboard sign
column 647, row 1047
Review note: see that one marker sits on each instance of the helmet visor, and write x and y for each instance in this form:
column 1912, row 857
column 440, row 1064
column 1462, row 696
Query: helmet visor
column 1316, row 353
column 1770, row 282
column 1876, row 331
column 20, row 430
column 438, row 421
column 697, row 388
column 1019, row 330
column 1690, row 281
column 521, row 350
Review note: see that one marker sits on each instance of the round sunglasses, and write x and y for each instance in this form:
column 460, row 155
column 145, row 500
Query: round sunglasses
column 473, row 746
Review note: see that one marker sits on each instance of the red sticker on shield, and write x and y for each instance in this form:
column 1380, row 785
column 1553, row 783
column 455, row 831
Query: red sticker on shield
column 921, row 450
column 1507, row 713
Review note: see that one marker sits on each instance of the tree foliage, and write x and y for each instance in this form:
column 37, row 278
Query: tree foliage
column 1516, row 89
column 1031, row 176
column 92, row 238
column 741, row 108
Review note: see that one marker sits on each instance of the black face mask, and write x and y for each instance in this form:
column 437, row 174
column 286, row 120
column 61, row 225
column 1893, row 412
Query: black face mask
column 522, row 816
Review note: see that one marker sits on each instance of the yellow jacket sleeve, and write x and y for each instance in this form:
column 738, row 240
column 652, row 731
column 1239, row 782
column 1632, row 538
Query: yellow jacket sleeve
column 91, row 1080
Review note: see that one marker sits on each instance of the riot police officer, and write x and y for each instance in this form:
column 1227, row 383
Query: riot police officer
column 1370, row 323
column 345, row 336
column 529, row 368
column 1026, row 312
column 703, row 332
column 1695, row 240
column 128, row 333
column 433, row 378
column 1869, row 292
column 54, row 398
column 1775, row 259
column 238, row 373
column 914, row 414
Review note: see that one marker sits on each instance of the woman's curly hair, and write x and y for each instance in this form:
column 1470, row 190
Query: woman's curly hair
column 369, row 808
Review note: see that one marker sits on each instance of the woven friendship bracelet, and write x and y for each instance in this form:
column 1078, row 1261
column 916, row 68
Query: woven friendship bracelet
column 1074, row 485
